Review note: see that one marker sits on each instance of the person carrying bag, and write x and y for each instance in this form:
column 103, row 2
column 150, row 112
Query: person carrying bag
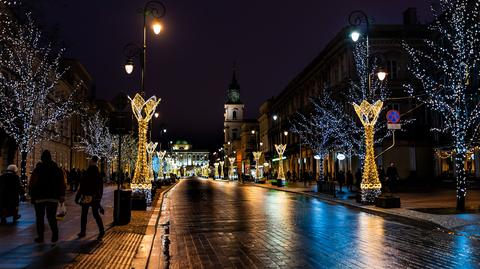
column 89, row 195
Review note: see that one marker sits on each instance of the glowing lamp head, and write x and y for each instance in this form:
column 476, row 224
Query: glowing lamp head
column 157, row 27
column 164, row 130
column 355, row 35
column 156, row 114
column 275, row 117
column 261, row 144
column 129, row 66
column 285, row 133
column 228, row 142
column 253, row 131
column 341, row 156
column 381, row 74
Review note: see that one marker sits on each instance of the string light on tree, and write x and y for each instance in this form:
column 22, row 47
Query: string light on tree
column 443, row 70
column 30, row 103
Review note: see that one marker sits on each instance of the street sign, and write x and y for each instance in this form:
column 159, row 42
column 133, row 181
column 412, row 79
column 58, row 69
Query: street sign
column 394, row 126
column 393, row 116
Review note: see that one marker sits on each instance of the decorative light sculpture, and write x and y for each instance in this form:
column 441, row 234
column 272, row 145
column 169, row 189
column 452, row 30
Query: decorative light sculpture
column 161, row 157
column 221, row 168
column 151, row 146
column 216, row 169
column 257, row 155
column 143, row 111
column 368, row 114
column 280, row 150
column 231, row 167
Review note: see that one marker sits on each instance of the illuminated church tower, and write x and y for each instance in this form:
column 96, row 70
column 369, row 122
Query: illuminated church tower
column 233, row 114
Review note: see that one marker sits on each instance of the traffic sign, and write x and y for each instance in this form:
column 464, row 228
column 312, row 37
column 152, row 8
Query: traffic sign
column 393, row 116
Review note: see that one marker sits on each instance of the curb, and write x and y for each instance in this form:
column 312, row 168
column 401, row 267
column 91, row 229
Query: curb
column 144, row 251
column 418, row 222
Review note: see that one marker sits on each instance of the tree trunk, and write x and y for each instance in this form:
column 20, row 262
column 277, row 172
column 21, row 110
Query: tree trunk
column 460, row 176
column 321, row 170
column 23, row 169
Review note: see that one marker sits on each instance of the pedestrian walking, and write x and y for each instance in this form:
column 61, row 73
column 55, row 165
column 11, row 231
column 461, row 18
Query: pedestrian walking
column 349, row 180
column 392, row 177
column 341, row 179
column 90, row 194
column 47, row 189
column 10, row 191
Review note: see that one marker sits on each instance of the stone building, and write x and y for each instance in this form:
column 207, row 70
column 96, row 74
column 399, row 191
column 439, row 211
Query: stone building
column 333, row 68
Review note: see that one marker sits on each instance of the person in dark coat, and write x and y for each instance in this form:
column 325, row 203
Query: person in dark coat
column 349, row 180
column 47, row 189
column 392, row 177
column 90, row 194
column 341, row 179
column 10, row 190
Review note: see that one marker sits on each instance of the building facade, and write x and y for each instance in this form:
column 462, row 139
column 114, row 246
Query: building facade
column 333, row 69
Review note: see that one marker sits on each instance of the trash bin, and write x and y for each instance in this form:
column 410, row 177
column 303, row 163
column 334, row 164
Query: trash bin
column 122, row 206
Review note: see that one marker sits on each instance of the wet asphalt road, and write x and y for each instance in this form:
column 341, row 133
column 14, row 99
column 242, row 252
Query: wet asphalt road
column 226, row 225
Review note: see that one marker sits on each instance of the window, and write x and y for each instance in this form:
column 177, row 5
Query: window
column 234, row 115
column 392, row 70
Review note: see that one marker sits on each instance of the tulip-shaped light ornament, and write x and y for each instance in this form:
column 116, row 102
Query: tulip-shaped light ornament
column 216, row 169
column 370, row 186
column 151, row 146
column 231, row 171
column 257, row 155
column 221, row 168
column 280, row 150
column 143, row 111
column 161, row 156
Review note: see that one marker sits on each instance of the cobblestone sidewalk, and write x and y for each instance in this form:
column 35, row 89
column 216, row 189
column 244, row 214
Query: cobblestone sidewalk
column 121, row 244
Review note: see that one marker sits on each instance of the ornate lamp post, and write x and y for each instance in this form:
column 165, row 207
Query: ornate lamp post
column 157, row 11
column 143, row 111
column 368, row 114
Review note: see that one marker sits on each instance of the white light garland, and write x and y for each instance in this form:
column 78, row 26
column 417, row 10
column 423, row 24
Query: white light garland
column 443, row 70
column 30, row 71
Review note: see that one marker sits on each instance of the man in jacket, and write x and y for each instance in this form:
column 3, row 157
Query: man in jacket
column 10, row 190
column 89, row 195
column 47, row 189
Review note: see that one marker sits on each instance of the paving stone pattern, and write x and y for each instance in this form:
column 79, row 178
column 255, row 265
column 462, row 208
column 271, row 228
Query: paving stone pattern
column 226, row 225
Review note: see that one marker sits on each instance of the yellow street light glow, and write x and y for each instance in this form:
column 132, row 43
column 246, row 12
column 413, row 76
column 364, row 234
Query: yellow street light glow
column 157, row 27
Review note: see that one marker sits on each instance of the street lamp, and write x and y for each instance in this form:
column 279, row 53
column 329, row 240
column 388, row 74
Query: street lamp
column 368, row 114
column 157, row 10
column 156, row 114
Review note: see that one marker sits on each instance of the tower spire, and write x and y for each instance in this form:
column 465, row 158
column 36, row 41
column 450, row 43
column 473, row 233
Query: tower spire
column 233, row 93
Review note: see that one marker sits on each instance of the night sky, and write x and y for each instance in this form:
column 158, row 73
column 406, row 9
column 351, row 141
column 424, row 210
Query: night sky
column 189, row 65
